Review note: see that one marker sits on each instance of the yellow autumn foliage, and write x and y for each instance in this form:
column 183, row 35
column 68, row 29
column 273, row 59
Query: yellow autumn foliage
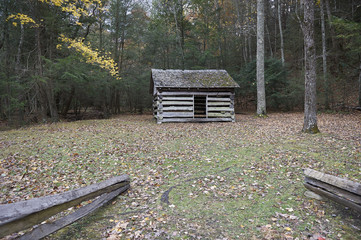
column 73, row 7
column 22, row 18
column 90, row 56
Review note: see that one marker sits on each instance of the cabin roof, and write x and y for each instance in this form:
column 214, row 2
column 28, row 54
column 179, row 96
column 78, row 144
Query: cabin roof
column 192, row 79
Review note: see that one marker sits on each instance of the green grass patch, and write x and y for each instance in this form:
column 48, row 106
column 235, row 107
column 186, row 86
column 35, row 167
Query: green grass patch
column 240, row 180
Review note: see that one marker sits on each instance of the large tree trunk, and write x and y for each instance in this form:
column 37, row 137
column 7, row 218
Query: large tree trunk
column 310, row 115
column 261, row 94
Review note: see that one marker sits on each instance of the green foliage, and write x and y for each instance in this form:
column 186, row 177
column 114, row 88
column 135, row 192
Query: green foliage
column 82, row 83
column 11, row 98
column 170, row 34
column 281, row 92
column 350, row 32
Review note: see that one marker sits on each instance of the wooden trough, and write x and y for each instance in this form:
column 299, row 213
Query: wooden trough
column 343, row 191
column 22, row 215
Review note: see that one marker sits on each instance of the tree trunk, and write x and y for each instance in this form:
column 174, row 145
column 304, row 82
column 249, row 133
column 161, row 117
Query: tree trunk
column 51, row 101
column 335, row 48
column 269, row 41
column 101, row 35
column 40, row 85
column 281, row 32
column 116, row 32
column 68, row 102
column 7, row 49
column 261, row 95
column 359, row 88
column 310, row 114
column 18, row 55
column 47, row 99
column 179, row 27
column 122, row 40
column 324, row 56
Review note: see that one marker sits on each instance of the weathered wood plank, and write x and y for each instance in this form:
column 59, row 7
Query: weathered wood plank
column 49, row 228
column 336, row 181
column 177, row 99
column 216, row 114
column 178, row 108
column 335, row 190
column 226, row 109
column 196, row 93
column 197, row 120
column 219, row 103
column 333, row 197
column 187, row 103
column 213, row 99
column 22, row 215
column 177, row 114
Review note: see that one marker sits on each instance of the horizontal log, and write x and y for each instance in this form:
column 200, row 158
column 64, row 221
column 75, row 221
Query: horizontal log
column 177, row 114
column 333, row 197
column 46, row 229
column 195, row 93
column 219, row 103
column 177, row 98
column 335, row 190
column 178, row 108
column 177, row 103
column 215, row 114
column 197, row 120
column 225, row 109
column 219, row 99
column 335, row 181
column 22, row 215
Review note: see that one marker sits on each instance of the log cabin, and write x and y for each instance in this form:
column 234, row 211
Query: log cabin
column 192, row 95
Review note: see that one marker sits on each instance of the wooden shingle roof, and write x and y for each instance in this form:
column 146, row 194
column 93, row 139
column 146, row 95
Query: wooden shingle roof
column 192, row 79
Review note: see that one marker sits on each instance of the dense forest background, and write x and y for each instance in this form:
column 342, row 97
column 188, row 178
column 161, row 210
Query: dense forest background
column 67, row 58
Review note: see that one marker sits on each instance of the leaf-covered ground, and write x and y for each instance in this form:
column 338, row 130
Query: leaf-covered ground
column 240, row 180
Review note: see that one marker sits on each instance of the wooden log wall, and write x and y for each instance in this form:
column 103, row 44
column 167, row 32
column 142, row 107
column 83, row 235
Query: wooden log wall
column 194, row 107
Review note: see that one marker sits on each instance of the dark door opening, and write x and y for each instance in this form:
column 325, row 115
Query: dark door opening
column 200, row 106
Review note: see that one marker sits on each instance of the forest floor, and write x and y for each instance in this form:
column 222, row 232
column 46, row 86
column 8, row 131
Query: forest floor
column 240, row 180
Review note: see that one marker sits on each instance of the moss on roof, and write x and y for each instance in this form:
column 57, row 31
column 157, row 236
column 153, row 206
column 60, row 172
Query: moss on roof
column 192, row 78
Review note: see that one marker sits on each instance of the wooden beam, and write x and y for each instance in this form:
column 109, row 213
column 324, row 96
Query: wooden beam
column 333, row 197
column 219, row 103
column 178, row 99
column 225, row 109
column 194, row 120
column 46, row 229
column 188, row 103
column 212, row 99
column 196, row 93
column 177, row 114
column 335, row 181
column 22, row 215
column 190, row 108
column 338, row 191
column 216, row 114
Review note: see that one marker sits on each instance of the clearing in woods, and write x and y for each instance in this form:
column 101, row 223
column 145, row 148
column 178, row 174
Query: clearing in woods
column 238, row 180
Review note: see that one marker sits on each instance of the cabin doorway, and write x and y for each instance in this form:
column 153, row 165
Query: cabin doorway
column 200, row 106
